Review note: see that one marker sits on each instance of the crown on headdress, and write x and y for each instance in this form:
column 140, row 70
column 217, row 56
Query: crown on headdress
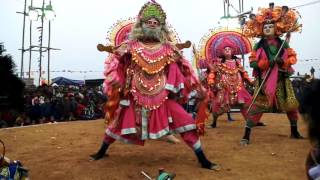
column 284, row 19
column 152, row 10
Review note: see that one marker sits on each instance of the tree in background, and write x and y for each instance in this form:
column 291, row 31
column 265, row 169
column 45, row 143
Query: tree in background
column 12, row 87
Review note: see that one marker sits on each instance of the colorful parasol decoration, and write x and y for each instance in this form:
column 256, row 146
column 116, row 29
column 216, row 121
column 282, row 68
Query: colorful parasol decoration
column 212, row 45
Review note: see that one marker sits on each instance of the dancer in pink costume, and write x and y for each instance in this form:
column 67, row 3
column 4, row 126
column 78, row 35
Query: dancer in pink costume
column 272, row 61
column 145, row 77
column 226, row 81
column 226, row 78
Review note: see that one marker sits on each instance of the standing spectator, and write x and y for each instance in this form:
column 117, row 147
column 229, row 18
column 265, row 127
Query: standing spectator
column 57, row 109
column 73, row 107
column 46, row 111
column 35, row 114
column 191, row 104
column 66, row 108
column 310, row 109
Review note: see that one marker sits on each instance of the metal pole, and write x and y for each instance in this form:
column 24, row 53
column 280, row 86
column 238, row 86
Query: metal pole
column 49, row 35
column 41, row 40
column 241, row 11
column 242, row 6
column 228, row 8
column 224, row 8
column 30, row 44
column 23, row 32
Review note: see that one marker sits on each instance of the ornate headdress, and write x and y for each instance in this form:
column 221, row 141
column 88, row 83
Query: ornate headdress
column 152, row 10
column 120, row 32
column 213, row 44
column 284, row 19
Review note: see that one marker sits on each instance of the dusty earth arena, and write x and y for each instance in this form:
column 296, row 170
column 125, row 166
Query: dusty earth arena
column 61, row 151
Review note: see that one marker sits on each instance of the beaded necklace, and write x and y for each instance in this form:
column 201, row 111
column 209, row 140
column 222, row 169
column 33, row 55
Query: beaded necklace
column 231, row 80
column 152, row 59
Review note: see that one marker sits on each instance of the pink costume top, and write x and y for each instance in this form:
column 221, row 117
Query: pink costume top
column 228, row 85
column 261, row 58
column 147, row 76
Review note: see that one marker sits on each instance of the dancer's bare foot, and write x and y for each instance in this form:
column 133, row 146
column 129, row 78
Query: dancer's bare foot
column 244, row 142
column 213, row 166
column 172, row 139
column 261, row 124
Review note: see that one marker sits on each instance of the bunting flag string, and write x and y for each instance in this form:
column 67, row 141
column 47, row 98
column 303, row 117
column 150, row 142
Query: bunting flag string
column 307, row 60
column 66, row 71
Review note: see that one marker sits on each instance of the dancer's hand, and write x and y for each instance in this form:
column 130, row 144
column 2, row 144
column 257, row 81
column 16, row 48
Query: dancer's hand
column 279, row 61
column 271, row 63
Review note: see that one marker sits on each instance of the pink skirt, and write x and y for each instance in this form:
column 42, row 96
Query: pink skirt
column 221, row 103
column 136, row 124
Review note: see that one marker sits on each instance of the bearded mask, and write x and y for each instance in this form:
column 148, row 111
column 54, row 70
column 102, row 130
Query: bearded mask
column 151, row 24
column 151, row 29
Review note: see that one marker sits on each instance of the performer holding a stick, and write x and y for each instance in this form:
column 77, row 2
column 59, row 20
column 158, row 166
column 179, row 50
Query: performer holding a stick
column 272, row 61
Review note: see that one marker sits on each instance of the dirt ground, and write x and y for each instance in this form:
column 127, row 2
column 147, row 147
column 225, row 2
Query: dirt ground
column 61, row 151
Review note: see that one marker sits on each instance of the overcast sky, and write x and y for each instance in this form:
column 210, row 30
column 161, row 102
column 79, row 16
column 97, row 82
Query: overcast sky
column 80, row 25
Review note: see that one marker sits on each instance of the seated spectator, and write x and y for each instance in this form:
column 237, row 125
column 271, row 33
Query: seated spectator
column 3, row 119
column 66, row 108
column 22, row 120
column 80, row 111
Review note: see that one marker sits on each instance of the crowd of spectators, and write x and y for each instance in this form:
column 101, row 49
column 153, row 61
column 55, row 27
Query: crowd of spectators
column 302, row 84
column 50, row 104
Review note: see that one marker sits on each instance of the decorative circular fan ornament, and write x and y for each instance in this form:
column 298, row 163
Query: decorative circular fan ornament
column 212, row 45
column 120, row 31
column 174, row 38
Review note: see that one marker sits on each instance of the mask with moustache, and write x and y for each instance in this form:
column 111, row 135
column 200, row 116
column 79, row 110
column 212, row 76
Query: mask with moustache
column 151, row 33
